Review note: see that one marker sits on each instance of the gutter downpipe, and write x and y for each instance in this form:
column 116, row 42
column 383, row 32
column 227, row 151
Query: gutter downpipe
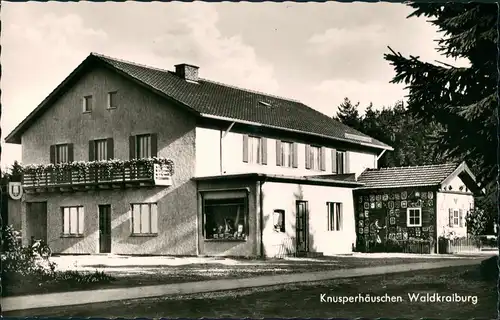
column 223, row 135
column 261, row 217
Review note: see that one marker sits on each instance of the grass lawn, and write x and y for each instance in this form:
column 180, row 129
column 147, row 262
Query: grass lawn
column 128, row 276
column 303, row 300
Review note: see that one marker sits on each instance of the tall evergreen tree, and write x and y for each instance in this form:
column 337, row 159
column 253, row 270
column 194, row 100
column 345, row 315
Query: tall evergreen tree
column 463, row 100
column 348, row 114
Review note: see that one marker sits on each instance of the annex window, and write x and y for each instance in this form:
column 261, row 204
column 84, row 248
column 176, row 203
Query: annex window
column 144, row 218
column 456, row 218
column 87, row 103
column 112, row 103
column 335, row 216
column 73, row 220
column 279, row 220
column 341, row 158
column 414, row 217
column 225, row 215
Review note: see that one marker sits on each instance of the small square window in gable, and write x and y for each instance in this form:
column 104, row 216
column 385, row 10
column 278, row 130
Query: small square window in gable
column 87, row 103
column 112, row 99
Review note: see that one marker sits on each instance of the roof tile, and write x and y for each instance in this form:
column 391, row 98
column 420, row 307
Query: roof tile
column 220, row 100
column 397, row 177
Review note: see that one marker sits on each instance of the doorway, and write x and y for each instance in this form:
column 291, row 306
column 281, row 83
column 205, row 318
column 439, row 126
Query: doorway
column 302, row 226
column 105, row 228
column 36, row 221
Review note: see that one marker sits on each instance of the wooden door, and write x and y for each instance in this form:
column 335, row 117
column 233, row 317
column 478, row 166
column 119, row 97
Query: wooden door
column 302, row 227
column 105, row 228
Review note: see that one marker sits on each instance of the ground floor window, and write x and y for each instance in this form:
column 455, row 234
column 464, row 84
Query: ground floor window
column 73, row 220
column 144, row 218
column 279, row 220
column 225, row 217
column 334, row 216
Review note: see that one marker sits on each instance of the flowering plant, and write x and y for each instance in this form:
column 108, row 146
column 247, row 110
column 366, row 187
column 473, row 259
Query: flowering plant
column 80, row 169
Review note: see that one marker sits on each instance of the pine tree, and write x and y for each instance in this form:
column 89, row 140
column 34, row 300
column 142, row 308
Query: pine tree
column 463, row 100
column 348, row 114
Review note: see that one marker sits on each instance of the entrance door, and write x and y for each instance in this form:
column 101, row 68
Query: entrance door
column 36, row 221
column 302, row 227
column 105, row 228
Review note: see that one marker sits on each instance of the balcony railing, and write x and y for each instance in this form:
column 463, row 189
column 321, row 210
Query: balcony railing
column 156, row 171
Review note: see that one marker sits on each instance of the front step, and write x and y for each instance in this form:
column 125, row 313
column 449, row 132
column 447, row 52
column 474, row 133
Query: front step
column 309, row 254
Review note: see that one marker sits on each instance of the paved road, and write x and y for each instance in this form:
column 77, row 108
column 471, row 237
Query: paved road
column 103, row 295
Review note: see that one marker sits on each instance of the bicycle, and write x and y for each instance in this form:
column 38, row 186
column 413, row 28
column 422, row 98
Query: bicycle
column 41, row 248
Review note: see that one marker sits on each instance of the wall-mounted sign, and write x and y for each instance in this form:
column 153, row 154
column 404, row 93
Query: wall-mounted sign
column 15, row 190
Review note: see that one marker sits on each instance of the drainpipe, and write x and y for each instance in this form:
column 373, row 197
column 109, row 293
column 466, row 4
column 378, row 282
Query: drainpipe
column 261, row 217
column 223, row 135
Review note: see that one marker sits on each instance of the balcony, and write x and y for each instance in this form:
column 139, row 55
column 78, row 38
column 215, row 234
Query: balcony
column 109, row 174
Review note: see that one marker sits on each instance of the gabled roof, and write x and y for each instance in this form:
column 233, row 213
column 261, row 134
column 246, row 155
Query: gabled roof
column 417, row 176
column 210, row 99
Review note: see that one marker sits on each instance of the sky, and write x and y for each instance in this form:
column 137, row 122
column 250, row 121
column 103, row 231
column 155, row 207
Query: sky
column 318, row 53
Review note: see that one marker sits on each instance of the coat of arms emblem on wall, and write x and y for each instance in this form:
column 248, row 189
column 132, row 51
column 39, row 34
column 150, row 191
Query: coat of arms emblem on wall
column 15, row 190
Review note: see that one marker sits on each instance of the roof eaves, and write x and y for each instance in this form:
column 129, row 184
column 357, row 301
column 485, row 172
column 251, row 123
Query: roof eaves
column 384, row 146
column 399, row 186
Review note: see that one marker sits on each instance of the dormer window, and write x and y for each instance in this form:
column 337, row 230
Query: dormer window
column 87, row 104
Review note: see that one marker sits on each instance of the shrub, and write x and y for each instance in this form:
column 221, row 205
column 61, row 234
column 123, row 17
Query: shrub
column 84, row 278
column 489, row 268
column 22, row 260
column 24, row 271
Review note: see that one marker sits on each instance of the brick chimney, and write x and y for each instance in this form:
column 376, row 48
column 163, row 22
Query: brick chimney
column 187, row 71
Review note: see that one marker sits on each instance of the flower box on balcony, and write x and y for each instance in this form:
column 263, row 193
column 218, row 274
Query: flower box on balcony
column 153, row 171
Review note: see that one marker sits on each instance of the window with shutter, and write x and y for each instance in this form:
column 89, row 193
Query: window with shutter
column 72, row 220
column 254, row 150
column 340, row 165
column 315, row 158
column 101, row 150
column 144, row 218
column 286, row 154
column 143, row 146
column 61, row 153
column 456, row 218
column 334, row 161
